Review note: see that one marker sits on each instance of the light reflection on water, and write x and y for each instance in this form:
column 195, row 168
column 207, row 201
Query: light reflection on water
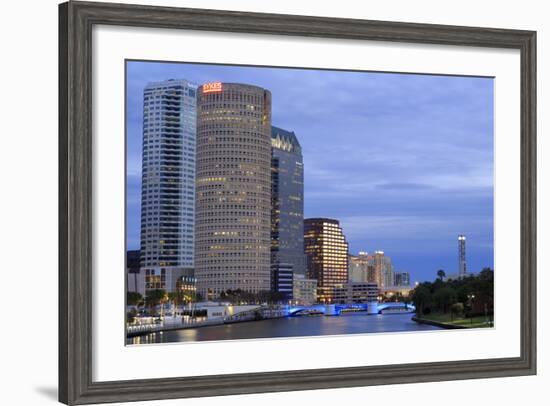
column 356, row 323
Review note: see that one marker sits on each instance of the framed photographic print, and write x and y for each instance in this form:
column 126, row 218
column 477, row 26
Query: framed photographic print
column 260, row 202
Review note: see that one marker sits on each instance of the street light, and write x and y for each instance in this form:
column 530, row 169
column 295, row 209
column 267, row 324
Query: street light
column 471, row 297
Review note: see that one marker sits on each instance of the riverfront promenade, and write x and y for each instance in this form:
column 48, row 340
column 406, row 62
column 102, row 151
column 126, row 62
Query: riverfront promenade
column 257, row 313
column 300, row 326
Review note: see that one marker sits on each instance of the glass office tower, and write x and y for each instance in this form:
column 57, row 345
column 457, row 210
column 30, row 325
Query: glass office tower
column 287, row 206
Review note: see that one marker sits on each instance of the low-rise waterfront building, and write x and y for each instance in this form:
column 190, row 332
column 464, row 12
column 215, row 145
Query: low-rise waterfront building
column 388, row 292
column 304, row 290
column 186, row 285
column 356, row 292
column 282, row 279
column 166, row 278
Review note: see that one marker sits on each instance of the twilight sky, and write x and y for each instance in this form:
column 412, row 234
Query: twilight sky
column 405, row 162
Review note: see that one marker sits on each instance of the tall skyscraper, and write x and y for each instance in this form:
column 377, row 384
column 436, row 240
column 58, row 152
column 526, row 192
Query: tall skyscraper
column 233, row 203
column 359, row 268
column 287, row 202
column 461, row 256
column 383, row 269
column 168, row 182
column 326, row 251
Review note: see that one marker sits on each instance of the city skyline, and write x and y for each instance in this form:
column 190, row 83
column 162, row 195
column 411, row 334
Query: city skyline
column 412, row 198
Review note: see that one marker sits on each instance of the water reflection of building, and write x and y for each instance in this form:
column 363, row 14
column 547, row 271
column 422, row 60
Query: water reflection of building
column 326, row 251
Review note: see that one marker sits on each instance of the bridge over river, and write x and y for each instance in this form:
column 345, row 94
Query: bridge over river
column 337, row 309
column 347, row 322
column 268, row 312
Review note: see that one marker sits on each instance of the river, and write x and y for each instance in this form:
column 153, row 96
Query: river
column 354, row 323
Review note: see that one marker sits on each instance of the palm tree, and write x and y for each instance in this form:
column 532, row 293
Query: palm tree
column 441, row 274
column 156, row 297
column 133, row 298
column 176, row 299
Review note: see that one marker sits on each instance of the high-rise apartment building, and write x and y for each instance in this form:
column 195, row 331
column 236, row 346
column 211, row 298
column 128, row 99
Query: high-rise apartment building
column 326, row 251
column 383, row 269
column 168, row 182
column 287, row 201
column 462, row 256
column 361, row 268
column 233, row 201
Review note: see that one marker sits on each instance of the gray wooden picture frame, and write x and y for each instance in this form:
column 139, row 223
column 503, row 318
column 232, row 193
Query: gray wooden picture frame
column 76, row 20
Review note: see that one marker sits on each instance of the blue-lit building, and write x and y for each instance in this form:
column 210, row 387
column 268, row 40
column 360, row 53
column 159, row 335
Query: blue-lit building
column 168, row 183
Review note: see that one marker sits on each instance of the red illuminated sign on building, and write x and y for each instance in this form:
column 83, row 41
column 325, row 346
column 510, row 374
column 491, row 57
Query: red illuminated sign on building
column 214, row 87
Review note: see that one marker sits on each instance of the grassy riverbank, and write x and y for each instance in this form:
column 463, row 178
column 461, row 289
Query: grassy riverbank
column 457, row 320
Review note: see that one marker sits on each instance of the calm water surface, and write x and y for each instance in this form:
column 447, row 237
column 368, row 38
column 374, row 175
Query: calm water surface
column 355, row 323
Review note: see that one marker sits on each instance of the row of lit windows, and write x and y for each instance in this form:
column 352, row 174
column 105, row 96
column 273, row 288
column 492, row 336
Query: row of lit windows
column 208, row 268
column 251, row 221
column 259, row 259
column 232, row 93
column 234, row 132
column 206, row 161
column 225, row 192
column 237, row 150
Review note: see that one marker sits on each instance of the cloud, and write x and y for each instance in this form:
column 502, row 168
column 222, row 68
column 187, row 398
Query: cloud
column 404, row 161
column 402, row 186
